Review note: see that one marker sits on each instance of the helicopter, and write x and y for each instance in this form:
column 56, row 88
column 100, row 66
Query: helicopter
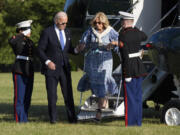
column 157, row 19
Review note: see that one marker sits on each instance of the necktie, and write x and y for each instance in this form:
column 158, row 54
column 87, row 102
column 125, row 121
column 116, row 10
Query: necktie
column 61, row 39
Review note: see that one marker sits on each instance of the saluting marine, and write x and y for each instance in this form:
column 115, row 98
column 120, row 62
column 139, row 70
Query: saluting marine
column 130, row 39
column 23, row 71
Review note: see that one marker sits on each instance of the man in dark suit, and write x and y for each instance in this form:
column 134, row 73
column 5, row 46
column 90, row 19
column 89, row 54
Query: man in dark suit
column 54, row 46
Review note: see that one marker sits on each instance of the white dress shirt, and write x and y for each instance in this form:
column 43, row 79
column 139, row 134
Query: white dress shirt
column 57, row 32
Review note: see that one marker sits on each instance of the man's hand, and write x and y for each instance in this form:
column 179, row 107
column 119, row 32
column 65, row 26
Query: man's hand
column 51, row 66
column 80, row 47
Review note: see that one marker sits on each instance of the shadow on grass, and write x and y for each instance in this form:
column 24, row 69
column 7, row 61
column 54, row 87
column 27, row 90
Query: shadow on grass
column 37, row 113
column 6, row 112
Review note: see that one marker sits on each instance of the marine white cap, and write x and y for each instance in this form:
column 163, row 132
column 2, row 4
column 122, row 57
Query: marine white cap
column 24, row 24
column 126, row 15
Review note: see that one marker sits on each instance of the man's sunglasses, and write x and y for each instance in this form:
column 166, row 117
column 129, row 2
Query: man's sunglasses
column 62, row 23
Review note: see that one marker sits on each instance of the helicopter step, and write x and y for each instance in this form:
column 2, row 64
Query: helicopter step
column 111, row 101
column 89, row 109
column 94, row 109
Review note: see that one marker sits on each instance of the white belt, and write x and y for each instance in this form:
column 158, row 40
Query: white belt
column 132, row 55
column 22, row 57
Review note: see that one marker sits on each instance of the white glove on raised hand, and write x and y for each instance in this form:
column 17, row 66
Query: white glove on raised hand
column 128, row 79
column 26, row 32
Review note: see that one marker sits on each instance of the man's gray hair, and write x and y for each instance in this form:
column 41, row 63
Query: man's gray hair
column 58, row 15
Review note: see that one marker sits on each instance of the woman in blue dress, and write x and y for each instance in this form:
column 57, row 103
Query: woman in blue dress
column 98, row 62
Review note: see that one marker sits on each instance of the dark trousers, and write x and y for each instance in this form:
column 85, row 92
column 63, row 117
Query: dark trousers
column 133, row 102
column 66, row 87
column 23, row 87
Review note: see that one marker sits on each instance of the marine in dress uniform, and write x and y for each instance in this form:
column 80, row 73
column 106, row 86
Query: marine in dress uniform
column 130, row 39
column 23, row 72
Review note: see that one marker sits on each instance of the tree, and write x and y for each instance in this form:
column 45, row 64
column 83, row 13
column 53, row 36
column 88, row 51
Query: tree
column 14, row 11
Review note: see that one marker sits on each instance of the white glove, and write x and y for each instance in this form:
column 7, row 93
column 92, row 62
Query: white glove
column 128, row 79
column 26, row 32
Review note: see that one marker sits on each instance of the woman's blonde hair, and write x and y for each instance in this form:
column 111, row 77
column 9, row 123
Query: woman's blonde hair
column 102, row 17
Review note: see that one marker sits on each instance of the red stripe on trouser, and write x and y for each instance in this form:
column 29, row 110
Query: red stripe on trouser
column 126, row 105
column 15, row 95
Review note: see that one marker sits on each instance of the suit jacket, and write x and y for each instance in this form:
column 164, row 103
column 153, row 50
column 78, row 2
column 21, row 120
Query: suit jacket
column 23, row 46
column 49, row 48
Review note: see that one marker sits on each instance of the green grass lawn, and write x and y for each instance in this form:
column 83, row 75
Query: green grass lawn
column 39, row 121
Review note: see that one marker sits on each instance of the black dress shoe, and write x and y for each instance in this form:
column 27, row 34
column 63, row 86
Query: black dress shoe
column 74, row 121
column 96, row 120
column 53, row 122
